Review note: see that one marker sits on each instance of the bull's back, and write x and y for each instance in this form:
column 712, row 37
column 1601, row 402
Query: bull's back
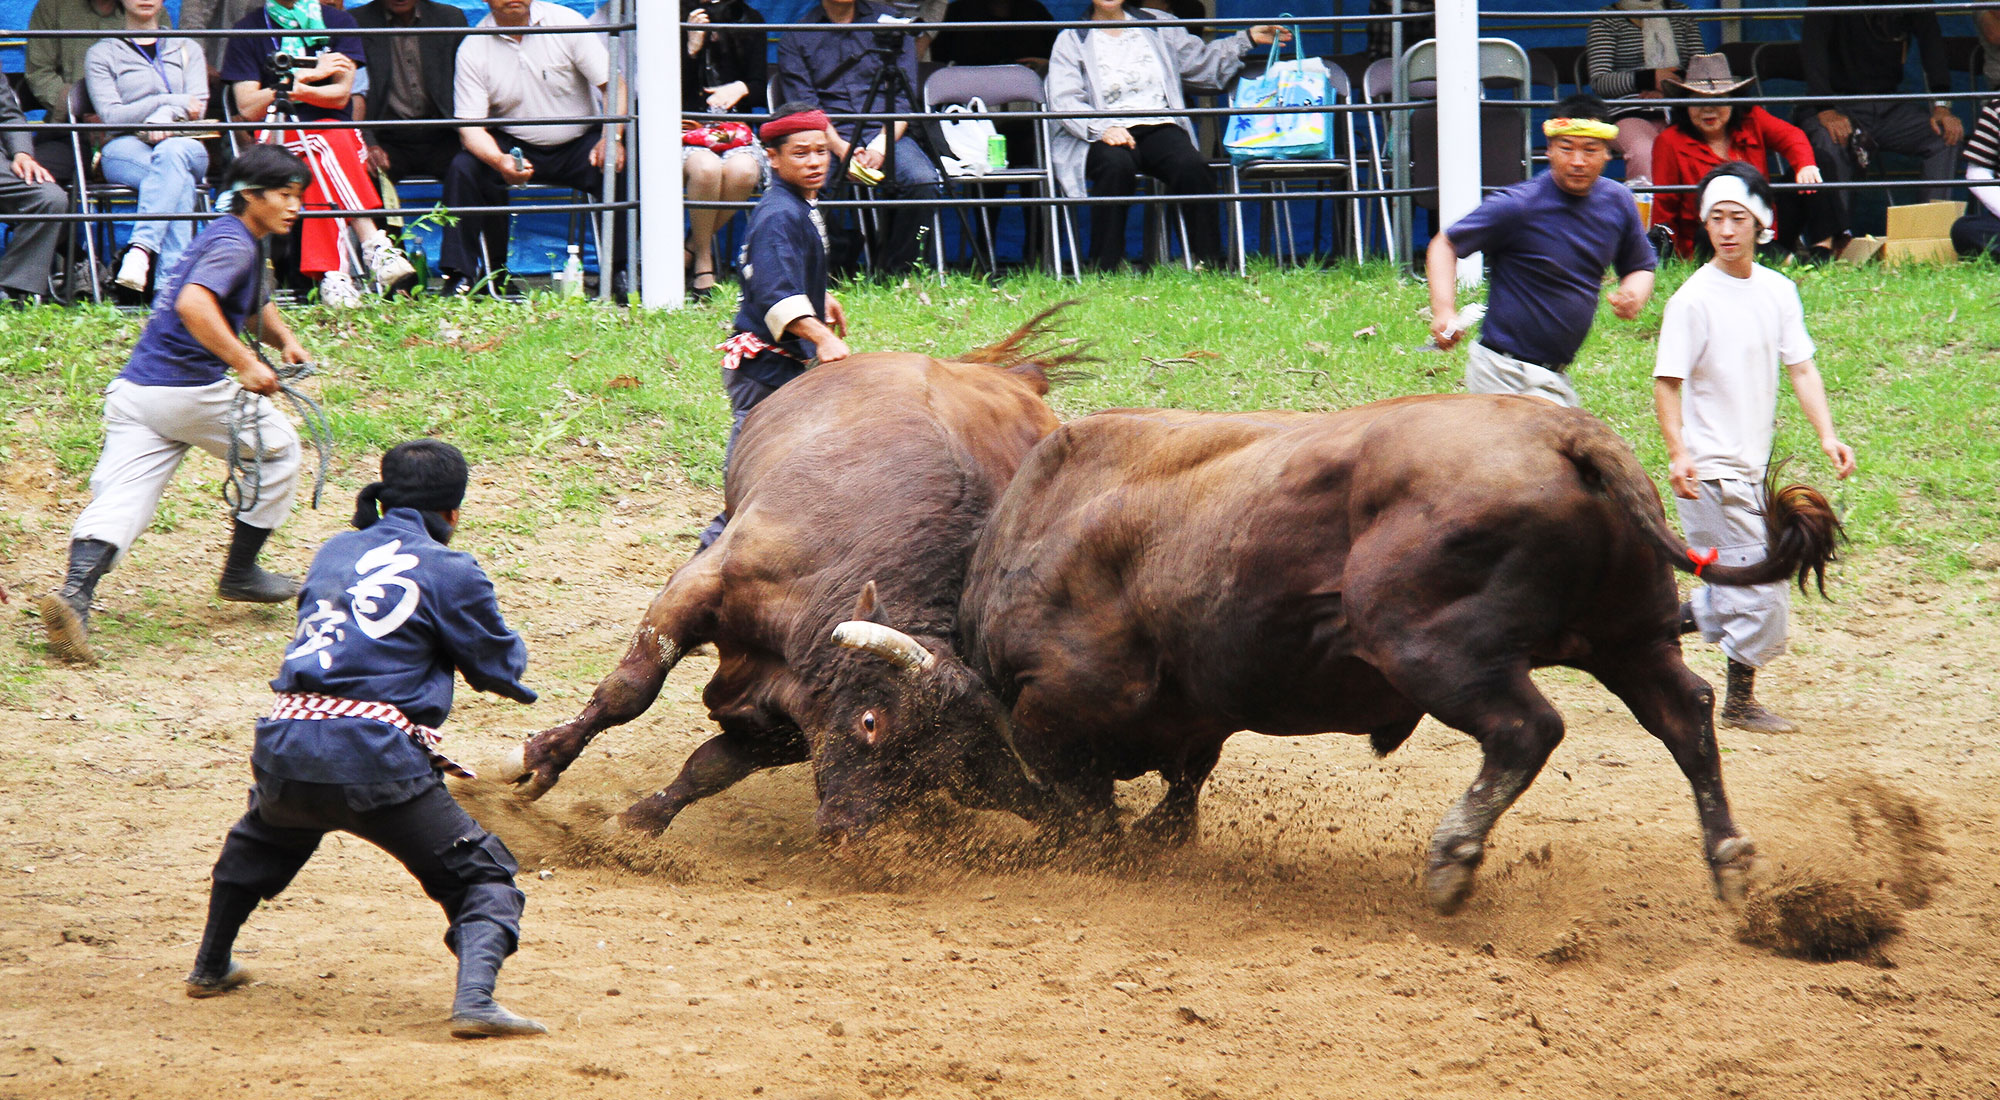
column 1225, row 542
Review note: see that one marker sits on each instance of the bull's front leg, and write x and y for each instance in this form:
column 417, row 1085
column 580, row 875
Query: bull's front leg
column 680, row 618
column 1174, row 821
column 720, row 763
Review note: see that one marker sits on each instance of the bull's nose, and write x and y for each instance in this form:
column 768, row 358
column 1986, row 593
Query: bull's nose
column 841, row 833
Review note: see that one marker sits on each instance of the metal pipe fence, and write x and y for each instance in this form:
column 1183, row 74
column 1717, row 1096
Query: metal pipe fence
column 1394, row 112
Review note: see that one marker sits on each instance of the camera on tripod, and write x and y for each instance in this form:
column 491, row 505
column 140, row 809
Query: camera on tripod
column 278, row 70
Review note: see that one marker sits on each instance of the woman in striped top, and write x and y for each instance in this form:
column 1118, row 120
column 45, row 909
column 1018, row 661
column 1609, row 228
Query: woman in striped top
column 1629, row 59
column 1979, row 230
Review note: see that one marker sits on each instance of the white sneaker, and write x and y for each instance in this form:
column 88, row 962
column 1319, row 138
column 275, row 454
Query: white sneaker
column 338, row 291
column 386, row 262
column 132, row 271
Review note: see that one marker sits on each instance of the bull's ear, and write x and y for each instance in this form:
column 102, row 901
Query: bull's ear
column 866, row 608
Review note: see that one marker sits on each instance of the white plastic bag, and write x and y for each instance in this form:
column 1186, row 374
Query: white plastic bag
column 969, row 139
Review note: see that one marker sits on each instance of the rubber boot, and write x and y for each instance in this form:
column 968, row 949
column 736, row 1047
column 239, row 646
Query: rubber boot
column 482, row 946
column 1741, row 709
column 1688, row 625
column 66, row 611
column 242, row 580
column 214, row 972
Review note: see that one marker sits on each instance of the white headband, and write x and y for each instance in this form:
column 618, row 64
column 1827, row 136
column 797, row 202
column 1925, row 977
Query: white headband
column 1731, row 188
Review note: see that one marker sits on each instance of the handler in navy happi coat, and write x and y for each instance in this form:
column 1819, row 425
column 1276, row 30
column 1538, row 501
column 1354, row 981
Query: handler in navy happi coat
column 386, row 615
column 787, row 321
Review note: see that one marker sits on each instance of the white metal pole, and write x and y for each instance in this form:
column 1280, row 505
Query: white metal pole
column 1459, row 151
column 661, row 278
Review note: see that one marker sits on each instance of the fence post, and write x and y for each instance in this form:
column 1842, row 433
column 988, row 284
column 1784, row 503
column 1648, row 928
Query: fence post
column 661, row 282
column 1460, row 156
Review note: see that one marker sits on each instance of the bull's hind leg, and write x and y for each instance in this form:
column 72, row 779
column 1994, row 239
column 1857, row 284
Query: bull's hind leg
column 680, row 618
column 1516, row 729
column 719, row 764
column 1678, row 707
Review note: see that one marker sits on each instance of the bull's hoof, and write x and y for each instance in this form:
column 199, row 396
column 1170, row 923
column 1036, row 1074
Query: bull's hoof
column 1451, row 877
column 203, row 986
column 1732, row 865
column 1168, row 830
column 530, row 784
column 644, row 817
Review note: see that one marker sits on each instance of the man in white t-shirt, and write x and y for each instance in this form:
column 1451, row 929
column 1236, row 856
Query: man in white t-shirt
column 1715, row 388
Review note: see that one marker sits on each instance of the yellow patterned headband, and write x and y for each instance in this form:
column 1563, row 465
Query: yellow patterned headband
column 1579, row 127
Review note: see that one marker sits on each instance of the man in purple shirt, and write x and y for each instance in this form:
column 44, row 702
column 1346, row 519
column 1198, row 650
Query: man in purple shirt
column 1547, row 243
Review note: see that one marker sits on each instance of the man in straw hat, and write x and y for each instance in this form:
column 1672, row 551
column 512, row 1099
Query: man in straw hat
column 1547, row 243
column 1715, row 390
column 787, row 320
column 387, row 615
column 1712, row 133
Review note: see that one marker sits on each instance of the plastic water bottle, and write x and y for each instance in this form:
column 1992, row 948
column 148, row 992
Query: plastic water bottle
column 572, row 273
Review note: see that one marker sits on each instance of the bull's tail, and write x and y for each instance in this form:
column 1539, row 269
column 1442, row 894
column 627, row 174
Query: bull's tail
column 1804, row 533
column 1023, row 351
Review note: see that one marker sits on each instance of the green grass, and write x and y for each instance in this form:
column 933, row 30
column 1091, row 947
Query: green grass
column 1911, row 358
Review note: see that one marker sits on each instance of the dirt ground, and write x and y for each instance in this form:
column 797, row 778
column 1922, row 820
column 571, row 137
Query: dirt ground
column 1288, row 954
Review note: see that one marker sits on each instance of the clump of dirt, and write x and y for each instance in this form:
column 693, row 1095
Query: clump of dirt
column 583, row 834
column 1822, row 914
column 1895, row 835
column 1575, row 944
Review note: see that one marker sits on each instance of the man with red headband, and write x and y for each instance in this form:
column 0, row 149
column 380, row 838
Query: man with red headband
column 787, row 321
column 1547, row 243
column 1715, row 389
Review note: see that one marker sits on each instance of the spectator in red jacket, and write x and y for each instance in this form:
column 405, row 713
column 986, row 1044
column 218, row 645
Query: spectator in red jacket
column 1706, row 135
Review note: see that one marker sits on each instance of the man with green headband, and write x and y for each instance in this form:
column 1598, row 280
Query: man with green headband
column 1547, row 243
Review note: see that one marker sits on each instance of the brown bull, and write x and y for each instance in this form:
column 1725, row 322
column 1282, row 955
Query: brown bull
column 1154, row 581
column 868, row 479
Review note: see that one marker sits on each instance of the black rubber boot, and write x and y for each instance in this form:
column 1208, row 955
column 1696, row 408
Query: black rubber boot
column 66, row 611
column 1741, row 709
column 1688, row 625
column 214, row 972
column 482, row 946
column 242, row 580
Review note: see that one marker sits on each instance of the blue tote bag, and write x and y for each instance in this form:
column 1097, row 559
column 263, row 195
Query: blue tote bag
column 1300, row 82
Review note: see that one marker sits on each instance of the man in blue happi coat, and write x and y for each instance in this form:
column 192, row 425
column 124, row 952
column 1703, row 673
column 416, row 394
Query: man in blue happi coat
column 787, row 321
column 387, row 613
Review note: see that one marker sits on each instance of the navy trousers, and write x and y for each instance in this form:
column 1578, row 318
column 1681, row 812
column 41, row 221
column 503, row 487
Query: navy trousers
column 462, row 867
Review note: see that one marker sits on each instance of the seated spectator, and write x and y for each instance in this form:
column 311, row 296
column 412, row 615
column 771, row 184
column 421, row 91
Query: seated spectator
column 1028, row 46
column 1631, row 60
column 415, row 72
column 724, row 71
column 832, row 70
column 1849, row 58
column 142, row 83
column 512, row 81
column 1704, row 136
column 322, row 86
column 54, row 65
column 1979, row 230
column 1130, row 72
column 26, row 188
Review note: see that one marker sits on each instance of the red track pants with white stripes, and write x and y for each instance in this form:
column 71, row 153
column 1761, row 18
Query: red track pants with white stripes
column 339, row 182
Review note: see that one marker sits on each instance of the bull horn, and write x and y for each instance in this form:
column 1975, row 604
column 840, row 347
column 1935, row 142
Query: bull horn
column 886, row 642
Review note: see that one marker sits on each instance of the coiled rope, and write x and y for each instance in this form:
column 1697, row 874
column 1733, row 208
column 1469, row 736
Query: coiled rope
column 243, row 487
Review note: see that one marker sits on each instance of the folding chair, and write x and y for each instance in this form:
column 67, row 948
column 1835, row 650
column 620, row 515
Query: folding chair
column 88, row 194
column 1277, row 173
column 999, row 87
column 1507, row 152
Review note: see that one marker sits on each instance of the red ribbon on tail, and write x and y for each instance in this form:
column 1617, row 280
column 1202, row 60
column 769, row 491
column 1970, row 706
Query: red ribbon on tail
column 1703, row 558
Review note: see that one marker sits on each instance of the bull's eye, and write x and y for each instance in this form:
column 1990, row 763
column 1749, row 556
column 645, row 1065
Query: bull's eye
column 868, row 725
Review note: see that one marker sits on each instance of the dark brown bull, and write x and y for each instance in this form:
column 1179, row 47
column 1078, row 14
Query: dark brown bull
column 1154, row 581
column 855, row 493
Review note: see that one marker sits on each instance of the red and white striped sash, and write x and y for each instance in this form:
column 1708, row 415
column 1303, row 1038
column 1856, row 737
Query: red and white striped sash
column 310, row 707
column 747, row 345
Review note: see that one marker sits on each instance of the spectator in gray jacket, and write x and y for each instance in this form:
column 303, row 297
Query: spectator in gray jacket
column 148, row 83
column 26, row 188
column 1130, row 71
